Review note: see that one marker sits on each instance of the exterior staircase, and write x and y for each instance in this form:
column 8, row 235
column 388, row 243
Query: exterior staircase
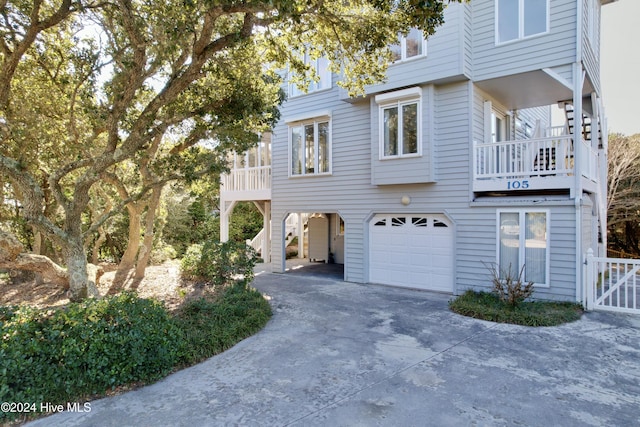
column 291, row 232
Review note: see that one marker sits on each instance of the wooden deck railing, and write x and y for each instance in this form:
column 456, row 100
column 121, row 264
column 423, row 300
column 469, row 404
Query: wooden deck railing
column 247, row 179
column 524, row 158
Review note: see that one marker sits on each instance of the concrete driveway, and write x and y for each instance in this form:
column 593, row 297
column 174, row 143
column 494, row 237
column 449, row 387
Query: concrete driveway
column 342, row 354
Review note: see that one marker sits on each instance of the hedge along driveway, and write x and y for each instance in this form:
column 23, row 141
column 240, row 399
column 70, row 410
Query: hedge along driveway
column 338, row 353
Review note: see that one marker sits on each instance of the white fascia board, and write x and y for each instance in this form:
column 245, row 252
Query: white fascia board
column 312, row 115
column 412, row 92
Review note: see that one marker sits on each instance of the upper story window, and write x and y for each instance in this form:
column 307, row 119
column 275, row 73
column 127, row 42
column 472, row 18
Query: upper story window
column 400, row 130
column 310, row 147
column 518, row 19
column 321, row 68
column 412, row 45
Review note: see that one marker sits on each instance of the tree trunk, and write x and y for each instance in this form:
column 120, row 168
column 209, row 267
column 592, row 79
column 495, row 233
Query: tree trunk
column 133, row 245
column 147, row 243
column 37, row 249
column 102, row 237
column 13, row 257
column 77, row 268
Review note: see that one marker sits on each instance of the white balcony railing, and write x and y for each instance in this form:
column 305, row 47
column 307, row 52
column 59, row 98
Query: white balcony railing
column 524, row 158
column 247, row 179
column 540, row 163
column 589, row 162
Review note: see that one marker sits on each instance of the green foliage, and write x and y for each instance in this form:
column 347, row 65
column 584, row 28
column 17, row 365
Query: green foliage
column 189, row 221
column 246, row 221
column 508, row 287
column 162, row 252
column 137, row 94
column 219, row 263
column 86, row 348
column 190, row 262
column 487, row 306
column 210, row 327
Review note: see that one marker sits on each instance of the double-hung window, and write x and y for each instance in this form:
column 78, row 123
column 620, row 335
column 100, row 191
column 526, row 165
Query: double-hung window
column 412, row 45
column 310, row 147
column 519, row 19
column 523, row 243
column 400, row 130
column 320, row 67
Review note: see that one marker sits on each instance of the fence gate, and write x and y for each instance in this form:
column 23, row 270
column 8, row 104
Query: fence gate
column 612, row 284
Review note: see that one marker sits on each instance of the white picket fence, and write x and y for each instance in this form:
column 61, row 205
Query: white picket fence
column 612, row 284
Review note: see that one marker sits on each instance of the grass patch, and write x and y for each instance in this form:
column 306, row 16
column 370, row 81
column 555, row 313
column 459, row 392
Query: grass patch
column 487, row 306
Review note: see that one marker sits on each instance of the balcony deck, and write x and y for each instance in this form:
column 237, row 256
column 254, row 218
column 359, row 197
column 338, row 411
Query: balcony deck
column 251, row 183
column 538, row 164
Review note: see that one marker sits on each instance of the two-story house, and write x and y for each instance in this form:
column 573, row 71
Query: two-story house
column 485, row 146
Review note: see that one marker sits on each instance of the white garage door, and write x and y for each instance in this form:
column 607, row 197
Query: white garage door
column 411, row 250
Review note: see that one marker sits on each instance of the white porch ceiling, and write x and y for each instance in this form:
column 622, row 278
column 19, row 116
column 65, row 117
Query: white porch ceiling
column 531, row 89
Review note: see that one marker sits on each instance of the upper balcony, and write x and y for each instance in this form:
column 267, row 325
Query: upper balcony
column 251, row 183
column 249, row 177
column 537, row 164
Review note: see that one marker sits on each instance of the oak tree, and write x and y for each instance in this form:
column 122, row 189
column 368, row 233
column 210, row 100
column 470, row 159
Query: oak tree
column 195, row 78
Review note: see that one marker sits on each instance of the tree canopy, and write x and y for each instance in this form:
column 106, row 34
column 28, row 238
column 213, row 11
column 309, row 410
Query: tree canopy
column 117, row 98
column 623, row 194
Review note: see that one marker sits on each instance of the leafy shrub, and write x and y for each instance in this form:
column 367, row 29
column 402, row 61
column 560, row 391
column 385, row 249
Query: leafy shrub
column 190, row 262
column 211, row 327
column 162, row 253
column 508, row 287
column 86, row 348
column 487, row 306
column 219, row 263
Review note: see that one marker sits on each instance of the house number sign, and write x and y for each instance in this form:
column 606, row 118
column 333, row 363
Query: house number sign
column 518, row 184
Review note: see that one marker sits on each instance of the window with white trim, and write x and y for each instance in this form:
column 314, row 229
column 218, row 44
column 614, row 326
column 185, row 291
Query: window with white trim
column 412, row 45
column 310, row 147
column 400, row 124
column 519, row 19
column 523, row 243
column 320, row 66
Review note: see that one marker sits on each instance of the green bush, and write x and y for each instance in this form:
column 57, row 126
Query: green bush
column 190, row 262
column 162, row 253
column 219, row 263
column 211, row 327
column 488, row 306
column 86, row 348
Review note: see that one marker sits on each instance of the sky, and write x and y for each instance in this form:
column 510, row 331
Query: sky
column 620, row 65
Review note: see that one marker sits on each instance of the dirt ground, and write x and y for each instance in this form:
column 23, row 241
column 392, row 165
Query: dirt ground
column 161, row 281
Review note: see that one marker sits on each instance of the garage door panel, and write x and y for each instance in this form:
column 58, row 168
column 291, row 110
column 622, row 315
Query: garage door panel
column 413, row 254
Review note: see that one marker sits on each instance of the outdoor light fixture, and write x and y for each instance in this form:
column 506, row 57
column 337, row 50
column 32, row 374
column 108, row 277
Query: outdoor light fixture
column 405, row 200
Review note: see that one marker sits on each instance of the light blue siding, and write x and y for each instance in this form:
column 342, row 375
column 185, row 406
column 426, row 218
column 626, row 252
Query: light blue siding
column 361, row 185
column 447, row 58
column 492, row 60
column 349, row 190
column 591, row 45
column 417, row 169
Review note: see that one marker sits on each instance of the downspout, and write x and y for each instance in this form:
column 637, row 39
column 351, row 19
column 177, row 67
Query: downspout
column 577, row 164
column 577, row 147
